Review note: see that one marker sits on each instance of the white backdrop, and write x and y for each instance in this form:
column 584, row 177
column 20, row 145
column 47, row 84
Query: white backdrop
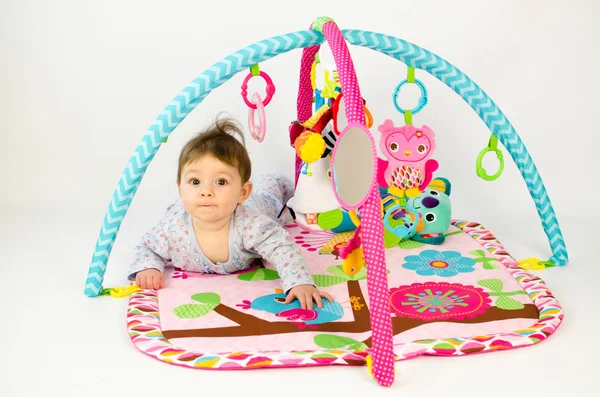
column 81, row 81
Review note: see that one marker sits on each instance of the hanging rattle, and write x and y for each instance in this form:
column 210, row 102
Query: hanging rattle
column 408, row 149
column 257, row 132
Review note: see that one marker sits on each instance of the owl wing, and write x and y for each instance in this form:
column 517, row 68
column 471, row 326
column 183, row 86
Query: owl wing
column 381, row 167
column 430, row 167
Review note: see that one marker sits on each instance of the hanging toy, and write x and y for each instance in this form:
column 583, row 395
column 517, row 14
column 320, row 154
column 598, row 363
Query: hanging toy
column 308, row 141
column 408, row 151
column 257, row 103
column 331, row 86
column 335, row 106
column 409, row 167
column 491, row 147
column 309, row 146
column 410, row 221
column 352, row 253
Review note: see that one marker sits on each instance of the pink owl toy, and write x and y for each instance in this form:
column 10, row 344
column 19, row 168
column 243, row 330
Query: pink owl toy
column 409, row 167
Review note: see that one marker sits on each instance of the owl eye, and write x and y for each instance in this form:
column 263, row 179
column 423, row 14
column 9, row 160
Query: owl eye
column 430, row 217
column 394, row 147
column 280, row 300
column 421, row 148
column 433, row 193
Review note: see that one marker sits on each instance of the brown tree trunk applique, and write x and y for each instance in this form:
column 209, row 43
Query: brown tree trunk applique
column 249, row 325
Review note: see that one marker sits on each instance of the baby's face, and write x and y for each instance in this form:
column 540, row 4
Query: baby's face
column 211, row 190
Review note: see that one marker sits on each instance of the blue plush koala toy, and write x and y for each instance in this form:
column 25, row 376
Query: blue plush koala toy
column 425, row 218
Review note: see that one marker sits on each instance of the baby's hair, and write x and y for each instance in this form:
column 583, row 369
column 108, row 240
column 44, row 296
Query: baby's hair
column 218, row 140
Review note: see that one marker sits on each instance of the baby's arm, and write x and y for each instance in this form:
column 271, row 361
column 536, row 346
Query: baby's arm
column 266, row 237
column 150, row 257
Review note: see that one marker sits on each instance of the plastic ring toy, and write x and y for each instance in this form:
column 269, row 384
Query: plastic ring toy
column 336, row 108
column 422, row 100
column 401, row 231
column 313, row 76
column 369, row 117
column 258, row 133
column 270, row 89
column 481, row 172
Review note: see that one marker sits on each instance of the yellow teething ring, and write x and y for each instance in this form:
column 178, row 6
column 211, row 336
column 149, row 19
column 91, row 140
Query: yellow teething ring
column 354, row 218
column 313, row 76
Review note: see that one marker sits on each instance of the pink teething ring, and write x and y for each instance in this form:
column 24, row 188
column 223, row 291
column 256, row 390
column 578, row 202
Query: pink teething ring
column 270, row 89
column 258, row 133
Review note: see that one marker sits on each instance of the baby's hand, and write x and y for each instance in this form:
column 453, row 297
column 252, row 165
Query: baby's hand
column 149, row 279
column 305, row 295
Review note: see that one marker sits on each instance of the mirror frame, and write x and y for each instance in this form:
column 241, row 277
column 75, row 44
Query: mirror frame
column 373, row 183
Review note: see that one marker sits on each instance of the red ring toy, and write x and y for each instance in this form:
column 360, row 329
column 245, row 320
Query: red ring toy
column 336, row 108
column 270, row 89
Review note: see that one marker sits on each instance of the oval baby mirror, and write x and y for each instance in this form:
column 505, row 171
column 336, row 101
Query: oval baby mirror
column 353, row 166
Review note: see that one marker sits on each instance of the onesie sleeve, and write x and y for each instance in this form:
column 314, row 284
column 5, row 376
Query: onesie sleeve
column 152, row 252
column 267, row 238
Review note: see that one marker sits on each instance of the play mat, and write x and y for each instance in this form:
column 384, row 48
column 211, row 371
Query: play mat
column 464, row 297
column 377, row 231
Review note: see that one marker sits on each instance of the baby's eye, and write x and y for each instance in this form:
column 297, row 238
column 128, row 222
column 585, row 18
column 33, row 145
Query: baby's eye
column 194, row 181
column 221, row 182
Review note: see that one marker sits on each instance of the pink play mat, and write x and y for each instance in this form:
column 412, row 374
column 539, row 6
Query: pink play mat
column 463, row 297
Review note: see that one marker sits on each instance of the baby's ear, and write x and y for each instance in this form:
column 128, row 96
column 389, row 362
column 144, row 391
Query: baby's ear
column 246, row 191
column 386, row 127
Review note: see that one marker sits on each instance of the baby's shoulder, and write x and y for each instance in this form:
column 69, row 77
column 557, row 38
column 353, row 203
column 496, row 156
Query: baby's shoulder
column 174, row 215
column 248, row 218
column 245, row 214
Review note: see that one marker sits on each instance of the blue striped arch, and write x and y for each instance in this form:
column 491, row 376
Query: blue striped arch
column 412, row 55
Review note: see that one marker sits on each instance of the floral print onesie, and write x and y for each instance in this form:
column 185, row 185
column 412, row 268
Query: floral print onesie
column 255, row 232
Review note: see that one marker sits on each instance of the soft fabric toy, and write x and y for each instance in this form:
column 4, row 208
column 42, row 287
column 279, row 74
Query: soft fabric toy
column 434, row 205
column 428, row 218
column 424, row 219
column 353, row 257
column 409, row 167
column 313, row 196
column 314, row 205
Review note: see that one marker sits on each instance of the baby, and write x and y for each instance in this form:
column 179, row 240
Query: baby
column 219, row 225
